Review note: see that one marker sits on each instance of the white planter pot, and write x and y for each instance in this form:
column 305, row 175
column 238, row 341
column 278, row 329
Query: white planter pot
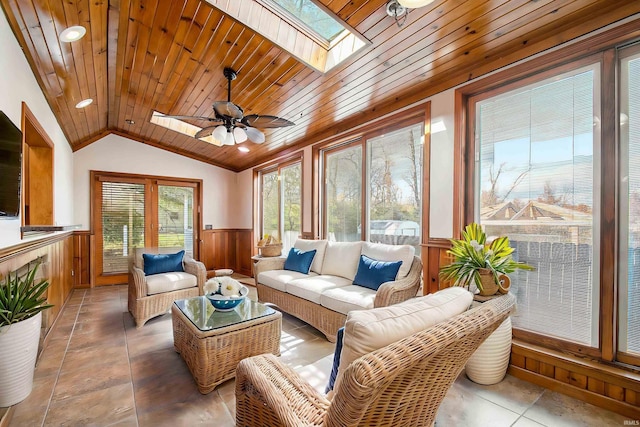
column 488, row 365
column 18, row 352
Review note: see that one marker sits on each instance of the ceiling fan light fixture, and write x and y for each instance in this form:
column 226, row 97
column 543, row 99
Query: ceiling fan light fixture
column 228, row 139
column 220, row 133
column 255, row 135
column 240, row 135
column 413, row 4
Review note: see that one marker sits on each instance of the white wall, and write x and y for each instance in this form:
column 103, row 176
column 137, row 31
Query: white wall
column 17, row 84
column 223, row 205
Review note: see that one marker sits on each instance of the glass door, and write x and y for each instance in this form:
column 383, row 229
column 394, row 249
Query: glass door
column 175, row 217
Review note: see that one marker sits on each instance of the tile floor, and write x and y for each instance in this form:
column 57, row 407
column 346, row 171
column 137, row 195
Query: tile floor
column 98, row 369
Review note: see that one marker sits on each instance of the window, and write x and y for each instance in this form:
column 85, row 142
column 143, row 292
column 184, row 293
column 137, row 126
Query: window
column 311, row 16
column 388, row 165
column 281, row 202
column 629, row 270
column 535, row 173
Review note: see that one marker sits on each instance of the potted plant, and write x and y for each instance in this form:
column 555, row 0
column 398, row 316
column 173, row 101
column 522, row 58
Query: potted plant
column 482, row 264
column 21, row 305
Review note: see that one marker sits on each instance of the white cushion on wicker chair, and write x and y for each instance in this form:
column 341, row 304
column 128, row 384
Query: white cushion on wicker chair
column 308, row 245
column 311, row 288
column 167, row 282
column 347, row 298
column 278, row 279
column 369, row 330
column 341, row 259
column 382, row 252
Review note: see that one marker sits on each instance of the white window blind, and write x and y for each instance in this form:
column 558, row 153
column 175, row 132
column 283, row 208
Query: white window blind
column 122, row 224
column 535, row 183
column 629, row 272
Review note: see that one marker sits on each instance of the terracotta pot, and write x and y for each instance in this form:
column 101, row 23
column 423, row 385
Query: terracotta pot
column 505, row 284
column 489, row 285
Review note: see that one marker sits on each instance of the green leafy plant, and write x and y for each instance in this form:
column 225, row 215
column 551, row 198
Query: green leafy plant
column 21, row 297
column 472, row 255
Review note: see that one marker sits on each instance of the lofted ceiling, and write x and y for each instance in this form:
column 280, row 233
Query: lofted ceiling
column 168, row 55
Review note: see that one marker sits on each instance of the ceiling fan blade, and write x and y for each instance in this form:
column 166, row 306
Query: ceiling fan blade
column 209, row 119
column 266, row 122
column 227, row 109
column 204, row 132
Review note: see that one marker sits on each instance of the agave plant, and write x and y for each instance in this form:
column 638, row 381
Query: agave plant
column 472, row 255
column 21, row 297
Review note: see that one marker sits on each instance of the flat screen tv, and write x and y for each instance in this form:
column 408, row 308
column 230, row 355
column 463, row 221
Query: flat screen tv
column 10, row 167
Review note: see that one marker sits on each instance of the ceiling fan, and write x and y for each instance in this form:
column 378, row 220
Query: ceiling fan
column 234, row 127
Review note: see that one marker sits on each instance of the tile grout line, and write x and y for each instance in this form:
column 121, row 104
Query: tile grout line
column 55, row 383
column 126, row 346
column 529, row 407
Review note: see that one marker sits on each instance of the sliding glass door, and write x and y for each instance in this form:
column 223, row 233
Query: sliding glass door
column 132, row 211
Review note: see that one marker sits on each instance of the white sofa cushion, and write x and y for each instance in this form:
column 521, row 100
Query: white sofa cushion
column 382, row 252
column 347, row 298
column 341, row 259
column 308, row 245
column 278, row 279
column 167, row 282
column 312, row 287
column 369, row 330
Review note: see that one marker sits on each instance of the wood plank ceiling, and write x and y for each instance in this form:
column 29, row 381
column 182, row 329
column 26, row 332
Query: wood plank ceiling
column 164, row 55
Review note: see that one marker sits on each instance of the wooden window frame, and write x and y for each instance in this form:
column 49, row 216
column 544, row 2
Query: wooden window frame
column 603, row 47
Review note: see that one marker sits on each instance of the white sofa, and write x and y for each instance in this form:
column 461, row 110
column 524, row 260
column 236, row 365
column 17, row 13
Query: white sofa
column 325, row 295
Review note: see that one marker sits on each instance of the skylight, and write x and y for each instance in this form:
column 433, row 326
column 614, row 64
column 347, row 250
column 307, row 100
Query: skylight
column 312, row 16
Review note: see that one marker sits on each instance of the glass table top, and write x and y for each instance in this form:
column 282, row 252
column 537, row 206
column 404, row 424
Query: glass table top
column 205, row 317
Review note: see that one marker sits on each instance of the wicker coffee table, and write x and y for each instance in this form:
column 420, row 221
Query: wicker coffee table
column 212, row 343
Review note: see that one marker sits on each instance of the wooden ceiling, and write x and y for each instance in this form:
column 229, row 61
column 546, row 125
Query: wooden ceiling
column 168, row 55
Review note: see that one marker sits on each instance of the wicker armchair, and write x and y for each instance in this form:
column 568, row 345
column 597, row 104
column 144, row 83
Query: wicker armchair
column 401, row 384
column 143, row 306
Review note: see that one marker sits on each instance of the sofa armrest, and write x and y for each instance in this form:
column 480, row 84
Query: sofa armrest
column 390, row 293
column 269, row 393
column 268, row 263
column 139, row 282
column 196, row 268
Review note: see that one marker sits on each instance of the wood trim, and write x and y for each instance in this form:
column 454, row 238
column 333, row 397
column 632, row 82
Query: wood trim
column 228, row 248
column 606, row 386
column 30, row 245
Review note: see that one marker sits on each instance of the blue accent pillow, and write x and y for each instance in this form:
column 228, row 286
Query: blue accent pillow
column 371, row 273
column 298, row 260
column 336, row 361
column 162, row 263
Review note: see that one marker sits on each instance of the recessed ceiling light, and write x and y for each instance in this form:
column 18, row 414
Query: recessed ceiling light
column 243, row 149
column 72, row 34
column 84, row 103
column 129, row 122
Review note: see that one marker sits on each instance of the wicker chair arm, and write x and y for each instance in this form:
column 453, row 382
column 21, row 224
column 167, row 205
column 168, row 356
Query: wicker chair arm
column 139, row 282
column 196, row 268
column 269, row 263
column 390, row 293
column 269, row 393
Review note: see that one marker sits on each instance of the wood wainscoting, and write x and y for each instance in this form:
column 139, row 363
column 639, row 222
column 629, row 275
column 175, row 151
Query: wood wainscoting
column 228, row 248
column 592, row 381
column 57, row 251
column 82, row 259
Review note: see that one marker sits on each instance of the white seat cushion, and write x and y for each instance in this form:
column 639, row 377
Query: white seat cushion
column 311, row 288
column 278, row 279
column 341, row 259
column 167, row 282
column 347, row 298
column 369, row 330
column 382, row 252
column 308, row 245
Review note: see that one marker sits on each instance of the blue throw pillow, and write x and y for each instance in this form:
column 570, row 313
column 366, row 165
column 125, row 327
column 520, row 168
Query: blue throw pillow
column 162, row 263
column 298, row 260
column 371, row 273
column 336, row 361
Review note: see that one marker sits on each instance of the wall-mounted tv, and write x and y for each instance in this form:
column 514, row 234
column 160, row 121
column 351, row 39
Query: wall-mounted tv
column 10, row 167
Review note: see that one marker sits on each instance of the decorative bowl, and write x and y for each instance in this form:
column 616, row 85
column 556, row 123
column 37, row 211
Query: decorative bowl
column 225, row 303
